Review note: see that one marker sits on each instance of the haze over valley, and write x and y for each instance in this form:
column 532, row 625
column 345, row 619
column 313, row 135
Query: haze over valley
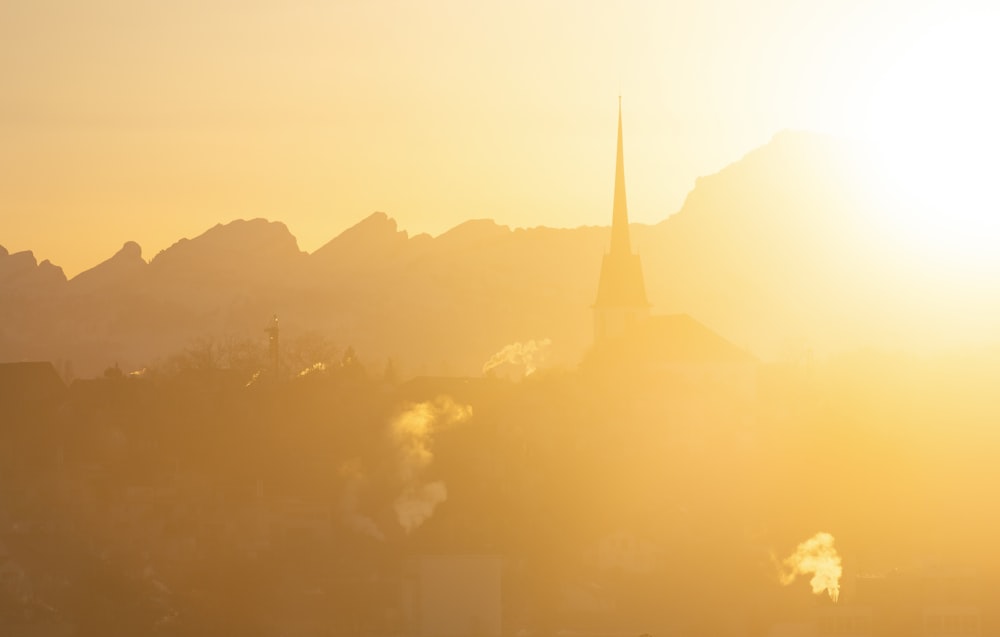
column 365, row 320
column 791, row 250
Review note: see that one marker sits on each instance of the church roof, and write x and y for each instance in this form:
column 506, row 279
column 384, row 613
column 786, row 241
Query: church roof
column 677, row 338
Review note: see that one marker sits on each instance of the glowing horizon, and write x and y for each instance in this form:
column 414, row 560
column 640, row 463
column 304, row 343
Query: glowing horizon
column 125, row 122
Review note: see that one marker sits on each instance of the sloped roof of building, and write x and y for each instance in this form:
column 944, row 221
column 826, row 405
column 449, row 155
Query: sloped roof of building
column 679, row 337
column 675, row 338
column 29, row 382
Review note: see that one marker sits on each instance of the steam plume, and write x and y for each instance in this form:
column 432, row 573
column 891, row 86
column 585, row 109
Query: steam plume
column 527, row 355
column 415, row 505
column 412, row 432
column 355, row 520
column 818, row 557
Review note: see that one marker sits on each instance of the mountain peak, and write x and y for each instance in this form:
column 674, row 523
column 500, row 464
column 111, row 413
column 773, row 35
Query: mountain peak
column 23, row 268
column 378, row 219
column 257, row 239
column 376, row 236
column 114, row 272
column 475, row 229
column 130, row 250
column 257, row 231
column 805, row 165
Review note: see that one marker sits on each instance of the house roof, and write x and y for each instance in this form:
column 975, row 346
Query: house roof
column 30, row 382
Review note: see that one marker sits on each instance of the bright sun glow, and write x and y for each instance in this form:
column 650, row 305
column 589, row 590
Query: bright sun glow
column 932, row 118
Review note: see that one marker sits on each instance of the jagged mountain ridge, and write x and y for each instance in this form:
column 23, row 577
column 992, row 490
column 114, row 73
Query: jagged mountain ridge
column 776, row 251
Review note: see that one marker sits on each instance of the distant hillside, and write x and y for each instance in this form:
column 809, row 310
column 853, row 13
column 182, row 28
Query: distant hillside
column 782, row 252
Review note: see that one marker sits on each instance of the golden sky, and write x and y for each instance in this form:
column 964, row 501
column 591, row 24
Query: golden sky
column 149, row 121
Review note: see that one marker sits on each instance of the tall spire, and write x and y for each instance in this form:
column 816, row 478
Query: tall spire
column 619, row 219
column 621, row 292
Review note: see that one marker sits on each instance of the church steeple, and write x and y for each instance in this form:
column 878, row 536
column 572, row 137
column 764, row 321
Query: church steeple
column 621, row 291
column 619, row 218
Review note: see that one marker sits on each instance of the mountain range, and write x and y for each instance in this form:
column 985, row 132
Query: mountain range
column 784, row 252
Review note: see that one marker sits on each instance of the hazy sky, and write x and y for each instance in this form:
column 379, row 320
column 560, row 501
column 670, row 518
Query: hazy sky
column 149, row 121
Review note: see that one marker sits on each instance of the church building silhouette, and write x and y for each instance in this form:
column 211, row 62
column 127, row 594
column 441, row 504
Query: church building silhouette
column 624, row 330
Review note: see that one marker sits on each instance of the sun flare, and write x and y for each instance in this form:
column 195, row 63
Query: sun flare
column 931, row 121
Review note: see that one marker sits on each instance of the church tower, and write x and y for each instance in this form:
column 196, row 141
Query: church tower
column 621, row 292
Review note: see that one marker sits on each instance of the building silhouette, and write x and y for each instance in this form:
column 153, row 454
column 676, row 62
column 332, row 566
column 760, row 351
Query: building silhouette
column 621, row 292
column 627, row 336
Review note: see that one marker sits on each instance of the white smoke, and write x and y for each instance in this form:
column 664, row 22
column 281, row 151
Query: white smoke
column 817, row 557
column 412, row 432
column 415, row 505
column 527, row 355
column 355, row 520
